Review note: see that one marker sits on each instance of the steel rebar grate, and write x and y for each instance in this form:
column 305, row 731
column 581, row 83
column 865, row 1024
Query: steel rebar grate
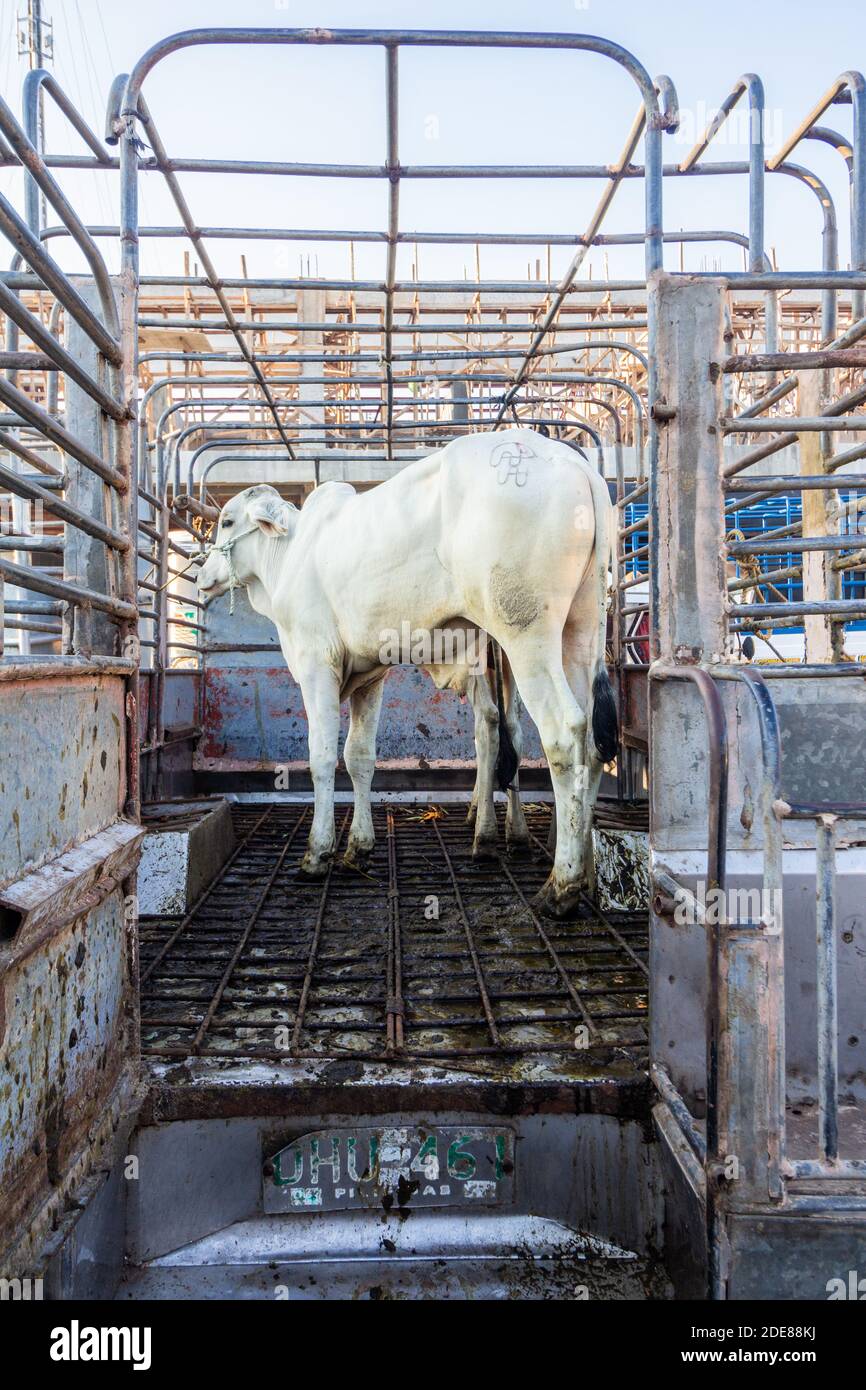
column 429, row 954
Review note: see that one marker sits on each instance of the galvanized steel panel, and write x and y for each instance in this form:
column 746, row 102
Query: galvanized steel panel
column 62, row 775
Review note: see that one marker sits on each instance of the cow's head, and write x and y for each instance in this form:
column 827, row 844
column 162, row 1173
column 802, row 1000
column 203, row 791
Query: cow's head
column 235, row 556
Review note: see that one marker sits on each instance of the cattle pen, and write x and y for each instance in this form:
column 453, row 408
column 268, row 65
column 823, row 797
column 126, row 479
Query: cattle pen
column 217, row 1076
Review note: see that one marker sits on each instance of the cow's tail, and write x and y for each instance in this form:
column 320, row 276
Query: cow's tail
column 605, row 722
column 507, row 761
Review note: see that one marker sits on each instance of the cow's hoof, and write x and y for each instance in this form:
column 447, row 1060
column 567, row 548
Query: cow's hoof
column 514, row 842
column 314, row 866
column 558, row 902
column 358, row 856
column 487, row 848
column 471, row 814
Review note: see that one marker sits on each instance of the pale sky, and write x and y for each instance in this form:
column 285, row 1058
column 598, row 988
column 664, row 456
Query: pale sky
column 328, row 104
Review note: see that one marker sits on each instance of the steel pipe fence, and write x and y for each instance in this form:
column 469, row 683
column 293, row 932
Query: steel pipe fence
column 391, row 434
column 78, row 469
column 488, row 352
column 730, row 586
column 392, row 171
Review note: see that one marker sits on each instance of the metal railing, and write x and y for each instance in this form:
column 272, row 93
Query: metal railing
column 89, row 495
column 698, row 491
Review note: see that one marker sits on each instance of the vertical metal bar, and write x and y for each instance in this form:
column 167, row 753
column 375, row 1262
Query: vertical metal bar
column 160, row 655
column 85, row 559
column 773, row 929
column 572, row 993
column 687, row 601
column 314, row 945
column 126, row 440
column 470, row 942
column 393, row 166
column 245, row 935
column 395, row 1005
column 857, row 86
column 828, row 1064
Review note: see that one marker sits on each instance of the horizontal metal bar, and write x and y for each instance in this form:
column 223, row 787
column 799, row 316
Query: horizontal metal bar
column 418, row 355
column 54, row 279
column 64, row 511
column 26, row 362
column 39, row 334
column 794, row 545
column 58, row 434
column 823, row 1170
column 50, row 543
column 797, row 670
column 844, row 810
column 36, row 579
column 796, row 361
column 412, row 238
column 31, row 625
column 474, row 288
column 33, row 606
column 790, row 279
column 843, row 607
column 795, row 424
column 348, row 329
column 795, row 482
column 52, row 476
column 635, row 495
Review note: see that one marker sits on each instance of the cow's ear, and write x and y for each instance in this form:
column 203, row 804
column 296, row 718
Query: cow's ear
column 271, row 514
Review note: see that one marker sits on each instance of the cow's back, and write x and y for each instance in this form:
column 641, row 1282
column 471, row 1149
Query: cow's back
column 519, row 517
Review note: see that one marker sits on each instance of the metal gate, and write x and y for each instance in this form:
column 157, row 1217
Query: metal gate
column 69, row 833
column 756, row 777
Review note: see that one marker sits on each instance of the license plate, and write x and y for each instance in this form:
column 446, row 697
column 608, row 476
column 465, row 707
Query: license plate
column 336, row 1170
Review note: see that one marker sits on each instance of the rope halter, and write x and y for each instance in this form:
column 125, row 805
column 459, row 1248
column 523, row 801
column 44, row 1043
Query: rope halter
column 224, row 548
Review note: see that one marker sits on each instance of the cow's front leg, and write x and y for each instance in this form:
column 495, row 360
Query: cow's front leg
column 321, row 692
column 486, row 753
column 360, row 758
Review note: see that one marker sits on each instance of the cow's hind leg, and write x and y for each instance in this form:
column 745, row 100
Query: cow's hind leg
column 577, row 671
column 536, row 662
column 516, row 829
column 360, row 759
column 583, row 642
column 486, row 752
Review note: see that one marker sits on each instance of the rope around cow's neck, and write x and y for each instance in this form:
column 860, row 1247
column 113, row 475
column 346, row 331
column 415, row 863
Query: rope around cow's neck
column 225, row 549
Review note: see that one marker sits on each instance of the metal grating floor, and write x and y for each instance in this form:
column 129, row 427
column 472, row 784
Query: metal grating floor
column 267, row 965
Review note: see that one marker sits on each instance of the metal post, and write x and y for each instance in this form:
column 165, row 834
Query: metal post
column 828, row 1063
column 127, row 434
column 821, row 583
column 686, row 532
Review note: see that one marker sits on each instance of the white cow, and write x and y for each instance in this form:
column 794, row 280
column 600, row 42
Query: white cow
column 507, row 532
